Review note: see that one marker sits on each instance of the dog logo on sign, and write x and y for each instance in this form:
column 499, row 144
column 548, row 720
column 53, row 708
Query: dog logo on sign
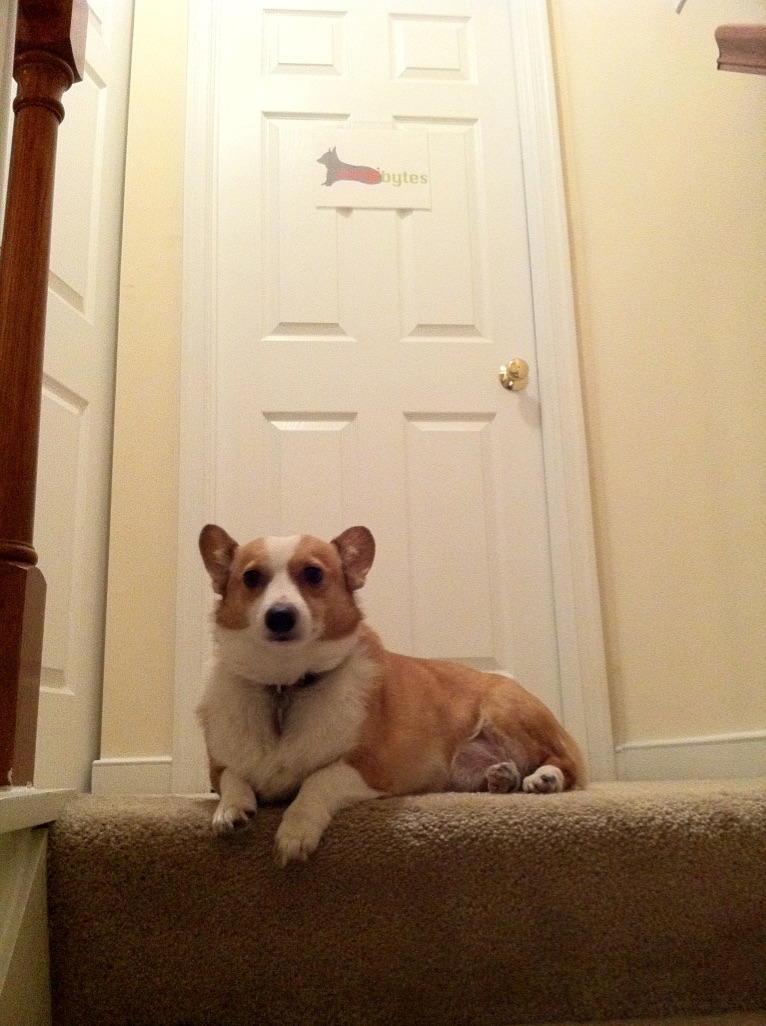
column 337, row 171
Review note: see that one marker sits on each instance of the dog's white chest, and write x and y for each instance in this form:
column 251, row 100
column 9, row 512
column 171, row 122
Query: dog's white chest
column 275, row 741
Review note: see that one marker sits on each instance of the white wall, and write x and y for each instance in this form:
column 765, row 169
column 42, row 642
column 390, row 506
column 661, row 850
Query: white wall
column 665, row 167
column 140, row 641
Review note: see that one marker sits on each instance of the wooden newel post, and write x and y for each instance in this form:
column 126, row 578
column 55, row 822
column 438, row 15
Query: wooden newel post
column 49, row 57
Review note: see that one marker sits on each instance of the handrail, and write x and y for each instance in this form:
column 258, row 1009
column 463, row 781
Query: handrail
column 49, row 58
column 742, row 48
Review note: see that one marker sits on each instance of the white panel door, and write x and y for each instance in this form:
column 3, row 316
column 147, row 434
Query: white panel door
column 357, row 350
column 72, row 513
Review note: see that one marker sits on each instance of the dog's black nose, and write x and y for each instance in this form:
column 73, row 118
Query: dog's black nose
column 281, row 618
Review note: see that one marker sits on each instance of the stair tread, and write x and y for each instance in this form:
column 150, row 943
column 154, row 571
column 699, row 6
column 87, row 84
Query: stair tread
column 630, row 899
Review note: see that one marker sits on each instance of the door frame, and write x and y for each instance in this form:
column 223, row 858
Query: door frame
column 577, row 601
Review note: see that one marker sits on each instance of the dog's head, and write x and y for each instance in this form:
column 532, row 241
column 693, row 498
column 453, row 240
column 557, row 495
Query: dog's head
column 290, row 599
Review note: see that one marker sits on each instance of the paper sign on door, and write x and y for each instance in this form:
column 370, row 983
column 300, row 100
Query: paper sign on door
column 374, row 169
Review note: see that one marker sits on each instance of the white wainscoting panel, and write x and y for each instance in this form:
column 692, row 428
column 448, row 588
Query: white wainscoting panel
column 151, row 775
column 715, row 757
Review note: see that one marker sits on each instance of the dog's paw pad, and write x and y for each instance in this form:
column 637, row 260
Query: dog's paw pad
column 502, row 778
column 232, row 819
column 545, row 780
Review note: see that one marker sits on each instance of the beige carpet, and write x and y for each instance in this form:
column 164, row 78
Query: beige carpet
column 443, row 910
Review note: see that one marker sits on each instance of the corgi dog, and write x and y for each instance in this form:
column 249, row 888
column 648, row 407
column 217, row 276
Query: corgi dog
column 303, row 701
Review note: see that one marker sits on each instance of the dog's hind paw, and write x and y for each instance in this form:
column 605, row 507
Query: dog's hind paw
column 545, row 780
column 229, row 819
column 503, row 778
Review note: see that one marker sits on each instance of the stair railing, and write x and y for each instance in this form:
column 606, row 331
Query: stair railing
column 49, row 57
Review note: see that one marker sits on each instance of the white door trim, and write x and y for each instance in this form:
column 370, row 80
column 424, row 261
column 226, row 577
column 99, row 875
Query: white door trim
column 578, row 614
column 197, row 421
column 573, row 556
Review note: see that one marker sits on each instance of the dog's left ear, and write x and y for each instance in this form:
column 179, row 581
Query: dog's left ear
column 217, row 549
column 357, row 551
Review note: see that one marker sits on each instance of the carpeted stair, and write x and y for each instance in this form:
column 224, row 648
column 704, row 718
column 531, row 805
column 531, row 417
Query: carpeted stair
column 625, row 900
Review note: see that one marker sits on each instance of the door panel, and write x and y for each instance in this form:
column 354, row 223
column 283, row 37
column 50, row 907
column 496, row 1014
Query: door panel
column 76, row 420
column 451, row 609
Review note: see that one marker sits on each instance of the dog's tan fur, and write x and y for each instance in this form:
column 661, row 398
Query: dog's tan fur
column 421, row 711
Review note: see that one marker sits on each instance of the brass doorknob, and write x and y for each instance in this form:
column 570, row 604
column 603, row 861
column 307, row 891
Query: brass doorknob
column 515, row 375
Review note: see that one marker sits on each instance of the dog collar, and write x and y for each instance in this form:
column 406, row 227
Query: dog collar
column 282, row 696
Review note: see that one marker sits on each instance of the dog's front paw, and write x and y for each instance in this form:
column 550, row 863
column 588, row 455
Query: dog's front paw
column 230, row 817
column 298, row 836
column 545, row 780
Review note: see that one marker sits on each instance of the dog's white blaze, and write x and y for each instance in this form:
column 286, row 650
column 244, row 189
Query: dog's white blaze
column 281, row 551
column 282, row 588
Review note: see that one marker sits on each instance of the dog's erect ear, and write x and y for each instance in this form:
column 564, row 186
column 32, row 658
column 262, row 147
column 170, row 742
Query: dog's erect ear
column 357, row 551
column 217, row 550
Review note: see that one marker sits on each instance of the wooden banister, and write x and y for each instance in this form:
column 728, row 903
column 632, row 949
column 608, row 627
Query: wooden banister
column 49, row 57
column 742, row 48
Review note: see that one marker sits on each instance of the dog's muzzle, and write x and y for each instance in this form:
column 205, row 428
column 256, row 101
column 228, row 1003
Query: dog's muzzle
column 281, row 620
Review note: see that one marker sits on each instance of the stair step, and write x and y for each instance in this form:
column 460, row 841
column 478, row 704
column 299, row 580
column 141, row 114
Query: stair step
column 624, row 900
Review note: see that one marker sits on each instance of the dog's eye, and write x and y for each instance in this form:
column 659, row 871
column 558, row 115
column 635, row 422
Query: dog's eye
column 252, row 578
column 313, row 574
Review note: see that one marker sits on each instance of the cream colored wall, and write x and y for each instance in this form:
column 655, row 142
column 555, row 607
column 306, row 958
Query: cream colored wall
column 666, row 175
column 665, row 163
column 139, row 657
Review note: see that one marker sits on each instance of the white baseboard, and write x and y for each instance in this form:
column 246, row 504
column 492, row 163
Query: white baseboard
column 151, row 775
column 716, row 757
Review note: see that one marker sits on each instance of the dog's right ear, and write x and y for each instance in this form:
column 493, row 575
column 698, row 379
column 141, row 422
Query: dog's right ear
column 217, row 550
